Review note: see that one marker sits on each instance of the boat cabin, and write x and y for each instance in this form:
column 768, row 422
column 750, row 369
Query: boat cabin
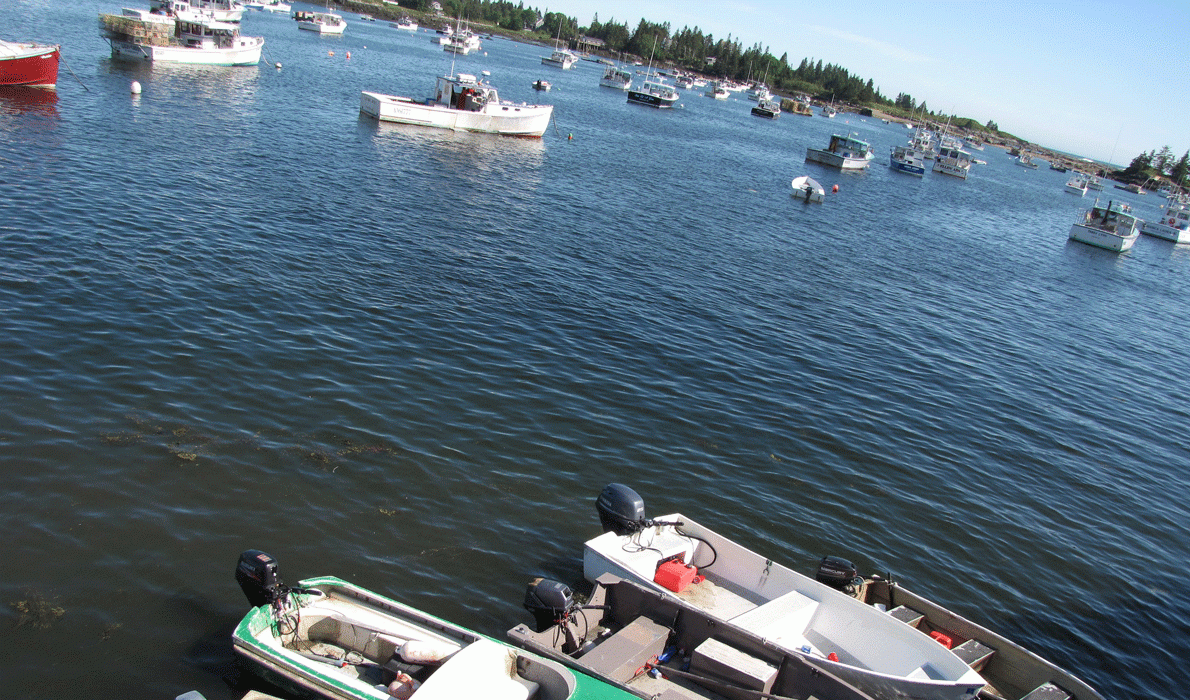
column 1115, row 218
column 848, row 147
column 464, row 92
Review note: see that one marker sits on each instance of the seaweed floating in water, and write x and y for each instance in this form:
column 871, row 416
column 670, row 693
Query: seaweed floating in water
column 37, row 611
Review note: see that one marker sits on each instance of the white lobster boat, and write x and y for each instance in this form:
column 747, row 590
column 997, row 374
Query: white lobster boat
column 321, row 22
column 462, row 103
column 953, row 161
column 843, row 152
column 1077, row 185
column 1172, row 225
column 882, row 639
column 616, row 78
column 1112, row 227
column 183, row 35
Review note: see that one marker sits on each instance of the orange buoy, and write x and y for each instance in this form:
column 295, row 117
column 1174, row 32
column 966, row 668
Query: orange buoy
column 330, row 53
column 348, row 55
column 835, row 188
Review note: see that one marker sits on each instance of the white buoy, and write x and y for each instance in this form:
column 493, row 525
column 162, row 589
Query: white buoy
column 135, row 87
column 278, row 65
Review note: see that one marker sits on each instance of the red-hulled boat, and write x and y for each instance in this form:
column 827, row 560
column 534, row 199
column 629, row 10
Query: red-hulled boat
column 34, row 65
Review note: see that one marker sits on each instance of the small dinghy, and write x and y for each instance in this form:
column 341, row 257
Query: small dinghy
column 870, row 632
column 807, row 188
column 542, row 85
column 332, row 639
column 661, row 647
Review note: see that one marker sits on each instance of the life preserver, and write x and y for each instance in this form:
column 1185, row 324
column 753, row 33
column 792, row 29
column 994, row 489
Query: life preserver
column 1172, row 221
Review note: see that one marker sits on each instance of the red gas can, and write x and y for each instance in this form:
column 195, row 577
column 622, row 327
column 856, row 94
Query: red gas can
column 675, row 575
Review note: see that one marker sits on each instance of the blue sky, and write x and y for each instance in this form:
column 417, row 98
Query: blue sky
column 1092, row 78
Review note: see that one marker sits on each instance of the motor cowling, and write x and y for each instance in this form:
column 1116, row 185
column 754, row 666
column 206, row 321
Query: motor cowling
column 549, row 601
column 839, row 574
column 258, row 577
column 621, row 510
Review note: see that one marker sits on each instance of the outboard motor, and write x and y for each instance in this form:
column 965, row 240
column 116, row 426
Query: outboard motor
column 257, row 575
column 621, row 510
column 549, row 601
column 839, row 574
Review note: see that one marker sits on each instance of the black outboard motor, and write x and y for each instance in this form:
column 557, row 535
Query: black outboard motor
column 549, row 601
column 621, row 509
column 257, row 575
column 839, row 574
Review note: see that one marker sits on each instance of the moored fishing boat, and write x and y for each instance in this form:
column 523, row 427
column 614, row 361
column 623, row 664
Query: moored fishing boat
column 907, row 159
column 462, row 103
column 1112, row 227
column 1173, row 224
column 769, row 108
column 864, row 646
column 404, row 24
column 654, row 92
column 1077, row 184
column 337, row 640
column 616, row 78
column 657, row 646
column 184, row 35
column 1026, row 161
column 844, row 152
column 807, row 188
column 29, row 64
column 321, row 22
column 952, row 161
column 717, row 90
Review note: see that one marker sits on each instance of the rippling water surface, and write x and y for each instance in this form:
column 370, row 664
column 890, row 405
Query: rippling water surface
column 234, row 314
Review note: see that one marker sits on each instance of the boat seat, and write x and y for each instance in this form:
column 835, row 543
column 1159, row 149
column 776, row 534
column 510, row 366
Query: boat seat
column 482, row 669
column 622, row 654
column 907, row 615
column 973, row 653
column 1047, row 691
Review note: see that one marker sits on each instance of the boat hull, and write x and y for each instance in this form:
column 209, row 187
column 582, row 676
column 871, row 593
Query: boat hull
column 503, row 119
column 958, row 171
column 1102, row 239
column 766, row 113
column 836, row 160
column 30, row 65
column 908, row 167
column 650, row 100
column 1080, row 191
column 1158, row 229
column 1011, row 670
column 330, row 29
column 371, row 629
column 874, row 651
column 614, row 84
column 246, row 52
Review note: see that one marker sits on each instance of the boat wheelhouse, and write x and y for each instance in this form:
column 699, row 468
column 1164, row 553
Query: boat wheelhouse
column 1077, row 185
column 463, row 103
column 321, row 22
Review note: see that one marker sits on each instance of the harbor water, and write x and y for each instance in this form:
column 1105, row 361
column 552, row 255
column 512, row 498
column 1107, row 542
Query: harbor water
column 236, row 314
